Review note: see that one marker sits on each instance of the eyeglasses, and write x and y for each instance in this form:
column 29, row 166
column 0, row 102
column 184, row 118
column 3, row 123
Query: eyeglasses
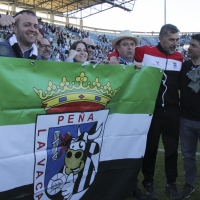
column 43, row 46
column 92, row 47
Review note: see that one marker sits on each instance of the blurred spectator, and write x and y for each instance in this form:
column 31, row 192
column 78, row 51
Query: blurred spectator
column 91, row 47
column 44, row 49
column 78, row 52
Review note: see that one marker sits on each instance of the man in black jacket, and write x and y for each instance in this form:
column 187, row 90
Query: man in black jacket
column 165, row 119
column 190, row 113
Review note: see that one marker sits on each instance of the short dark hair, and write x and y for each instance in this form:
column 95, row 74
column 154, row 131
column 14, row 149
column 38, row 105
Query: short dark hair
column 74, row 45
column 168, row 28
column 29, row 12
column 196, row 37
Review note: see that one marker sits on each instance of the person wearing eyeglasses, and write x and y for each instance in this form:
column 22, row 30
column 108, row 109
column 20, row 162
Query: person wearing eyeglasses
column 78, row 52
column 44, row 49
column 91, row 47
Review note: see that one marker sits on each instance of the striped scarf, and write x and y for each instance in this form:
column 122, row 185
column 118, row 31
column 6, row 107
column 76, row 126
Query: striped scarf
column 124, row 61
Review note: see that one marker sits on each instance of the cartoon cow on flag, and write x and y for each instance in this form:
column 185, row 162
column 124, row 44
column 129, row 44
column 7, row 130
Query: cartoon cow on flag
column 73, row 152
column 79, row 168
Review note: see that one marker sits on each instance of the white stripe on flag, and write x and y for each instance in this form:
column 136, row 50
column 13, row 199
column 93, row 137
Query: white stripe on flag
column 16, row 140
column 125, row 136
column 15, row 170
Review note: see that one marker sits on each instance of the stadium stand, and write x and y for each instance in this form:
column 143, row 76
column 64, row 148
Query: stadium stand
column 61, row 37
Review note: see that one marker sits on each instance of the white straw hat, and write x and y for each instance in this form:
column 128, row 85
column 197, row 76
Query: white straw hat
column 125, row 35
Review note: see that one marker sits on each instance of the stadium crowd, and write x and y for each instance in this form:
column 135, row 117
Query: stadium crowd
column 61, row 39
column 70, row 44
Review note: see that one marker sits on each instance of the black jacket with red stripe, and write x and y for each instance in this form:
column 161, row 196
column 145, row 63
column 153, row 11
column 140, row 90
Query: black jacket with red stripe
column 155, row 56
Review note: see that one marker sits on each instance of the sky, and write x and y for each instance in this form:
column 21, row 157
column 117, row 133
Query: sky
column 148, row 15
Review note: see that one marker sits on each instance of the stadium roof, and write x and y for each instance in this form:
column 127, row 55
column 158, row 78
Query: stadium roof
column 72, row 8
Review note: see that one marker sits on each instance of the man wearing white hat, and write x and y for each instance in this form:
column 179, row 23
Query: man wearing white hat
column 125, row 44
column 165, row 119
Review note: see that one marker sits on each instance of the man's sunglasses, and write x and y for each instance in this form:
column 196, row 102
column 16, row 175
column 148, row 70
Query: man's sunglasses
column 92, row 47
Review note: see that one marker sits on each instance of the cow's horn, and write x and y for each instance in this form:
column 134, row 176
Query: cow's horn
column 79, row 132
column 96, row 134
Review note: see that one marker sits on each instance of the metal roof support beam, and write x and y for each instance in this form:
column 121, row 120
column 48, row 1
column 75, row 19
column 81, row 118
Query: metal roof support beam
column 74, row 8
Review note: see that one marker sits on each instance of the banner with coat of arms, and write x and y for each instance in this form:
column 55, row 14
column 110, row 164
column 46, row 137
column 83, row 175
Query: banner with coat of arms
column 72, row 132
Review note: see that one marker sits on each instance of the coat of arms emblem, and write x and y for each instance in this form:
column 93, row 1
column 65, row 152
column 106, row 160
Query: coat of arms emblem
column 69, row 136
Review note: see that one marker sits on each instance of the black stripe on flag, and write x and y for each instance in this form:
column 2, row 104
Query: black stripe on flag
column 114, row 180
column 24, row 192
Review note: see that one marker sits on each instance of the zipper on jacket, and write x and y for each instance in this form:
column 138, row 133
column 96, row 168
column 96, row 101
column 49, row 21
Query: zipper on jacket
column 164, row 83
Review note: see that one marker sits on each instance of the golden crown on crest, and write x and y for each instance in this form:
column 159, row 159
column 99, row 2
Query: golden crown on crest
column 80, row 90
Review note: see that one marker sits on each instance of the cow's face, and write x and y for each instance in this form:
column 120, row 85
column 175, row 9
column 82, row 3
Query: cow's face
column 73, row 159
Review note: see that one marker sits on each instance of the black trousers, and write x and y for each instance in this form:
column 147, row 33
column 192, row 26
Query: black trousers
column 165, row 122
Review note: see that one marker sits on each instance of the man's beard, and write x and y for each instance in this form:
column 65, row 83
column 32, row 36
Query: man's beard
column 45, row 57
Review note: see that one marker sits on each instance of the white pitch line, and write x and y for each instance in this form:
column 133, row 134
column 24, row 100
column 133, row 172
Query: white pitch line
column 162, row 150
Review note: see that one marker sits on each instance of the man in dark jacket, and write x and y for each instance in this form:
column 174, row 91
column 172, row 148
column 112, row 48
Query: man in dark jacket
column 21, row 43
column 190, row 114
column 165, row 119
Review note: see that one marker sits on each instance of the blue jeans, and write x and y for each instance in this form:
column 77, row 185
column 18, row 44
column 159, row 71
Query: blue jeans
column 190, row 135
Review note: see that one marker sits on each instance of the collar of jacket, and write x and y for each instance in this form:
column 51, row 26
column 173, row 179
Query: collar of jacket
column 160, row 48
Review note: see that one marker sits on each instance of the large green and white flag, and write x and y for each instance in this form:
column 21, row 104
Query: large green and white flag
column 72, row 132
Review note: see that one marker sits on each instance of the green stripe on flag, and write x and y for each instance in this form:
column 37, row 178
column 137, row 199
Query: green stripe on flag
column 98, row 142
column 19, row 103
